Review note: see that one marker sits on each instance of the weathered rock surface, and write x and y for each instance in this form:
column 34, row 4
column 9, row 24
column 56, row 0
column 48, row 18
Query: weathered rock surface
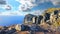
column 48, row 23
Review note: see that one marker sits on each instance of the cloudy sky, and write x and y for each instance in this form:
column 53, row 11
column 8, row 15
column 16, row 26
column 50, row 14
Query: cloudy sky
column 23, row 7
column 19, row 8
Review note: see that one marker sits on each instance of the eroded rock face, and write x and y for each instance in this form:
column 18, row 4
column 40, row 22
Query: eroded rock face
column 49, row 23
column 39, row 19
column 29, row 19
column 50, row 17
column 33, row 19
column 47, row 16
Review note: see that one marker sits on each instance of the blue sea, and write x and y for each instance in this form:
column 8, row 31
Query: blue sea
column 11, row 20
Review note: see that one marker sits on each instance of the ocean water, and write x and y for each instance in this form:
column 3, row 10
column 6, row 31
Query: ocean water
column 11, row 20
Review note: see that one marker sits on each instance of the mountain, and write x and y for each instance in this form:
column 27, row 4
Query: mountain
column 48, row 23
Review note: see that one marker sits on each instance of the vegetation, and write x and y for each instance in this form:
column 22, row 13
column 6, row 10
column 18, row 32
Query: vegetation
column 50, row 10
column 57, row 22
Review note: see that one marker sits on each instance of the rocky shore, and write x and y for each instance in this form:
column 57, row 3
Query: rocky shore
column 34, row 30
column 47, row 23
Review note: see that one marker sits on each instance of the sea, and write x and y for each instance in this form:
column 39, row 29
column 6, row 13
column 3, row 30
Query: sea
column 11, row 20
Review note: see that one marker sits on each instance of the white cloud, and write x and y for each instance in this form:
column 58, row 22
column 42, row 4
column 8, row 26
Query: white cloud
column 6, row 7
column 38, row 12
column 18, row 13
column 29, row 4
column 12, row 13
column 9, row 13
column 26, row 5
column 55, row 2
column 3, row 2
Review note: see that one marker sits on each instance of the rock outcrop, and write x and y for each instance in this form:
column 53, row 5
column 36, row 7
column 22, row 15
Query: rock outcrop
column 48, row 23
column 51, row 18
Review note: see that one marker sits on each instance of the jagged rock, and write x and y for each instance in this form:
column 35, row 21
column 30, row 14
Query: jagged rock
column 47, row 17
column 29, row 19
column 50, row 10
column 11, row 31
column 33, row 19
column 18, row 27
column 25, row 28
column 49, row 23
column 39, row 19
column 37, row 28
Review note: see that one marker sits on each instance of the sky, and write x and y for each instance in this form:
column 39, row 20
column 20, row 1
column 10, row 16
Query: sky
column 23, row 7
column 11, row 9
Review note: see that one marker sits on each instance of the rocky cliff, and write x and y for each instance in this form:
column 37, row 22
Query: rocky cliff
column 48, row 23
column 49, row 20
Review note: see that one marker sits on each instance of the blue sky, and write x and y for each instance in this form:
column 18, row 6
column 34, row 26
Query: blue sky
column 16, row 5
column 19, row 8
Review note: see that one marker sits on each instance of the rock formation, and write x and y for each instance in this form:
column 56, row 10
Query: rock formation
column 48, row 23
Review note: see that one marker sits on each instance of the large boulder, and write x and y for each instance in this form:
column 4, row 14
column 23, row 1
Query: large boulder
column 18, row 27
column 25, row 28
column 29, row 19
